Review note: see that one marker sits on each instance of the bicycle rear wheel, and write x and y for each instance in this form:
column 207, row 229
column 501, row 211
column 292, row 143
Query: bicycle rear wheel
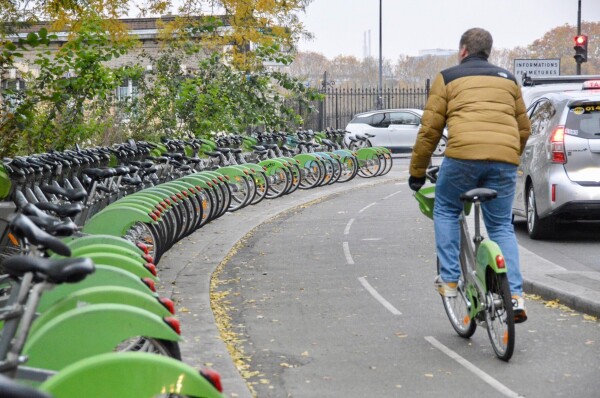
column 499, row 315
column 155, row 346
column 458, row 310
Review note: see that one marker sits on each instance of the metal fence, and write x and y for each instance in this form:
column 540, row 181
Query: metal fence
column 341, row 104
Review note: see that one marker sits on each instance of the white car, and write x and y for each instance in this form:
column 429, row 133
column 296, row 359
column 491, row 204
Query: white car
column 395, row 129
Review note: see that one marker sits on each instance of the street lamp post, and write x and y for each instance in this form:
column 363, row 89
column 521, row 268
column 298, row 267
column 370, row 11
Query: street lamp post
column 578, row 71
column 380, row 89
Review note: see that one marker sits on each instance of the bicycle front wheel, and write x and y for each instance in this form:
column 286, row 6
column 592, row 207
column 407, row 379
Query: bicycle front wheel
column 499, row 315
column 458, row 310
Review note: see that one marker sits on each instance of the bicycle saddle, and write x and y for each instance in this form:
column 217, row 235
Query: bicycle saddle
column 48, row 223
column 61, row 210
column 66, row 270
column 99, row 174
column 23, row 227
column 478, row 194
column 70, row 194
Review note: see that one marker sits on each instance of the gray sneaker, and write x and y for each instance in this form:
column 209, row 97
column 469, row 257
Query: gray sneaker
column 519, row 309
column 446, row 289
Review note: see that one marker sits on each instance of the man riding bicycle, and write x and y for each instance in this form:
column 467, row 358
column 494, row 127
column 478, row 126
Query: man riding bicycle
column 482, row 106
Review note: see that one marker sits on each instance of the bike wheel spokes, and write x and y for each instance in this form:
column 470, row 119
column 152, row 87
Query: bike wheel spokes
column 277, row 184
column 458, row 310
column 499, row 316
column 143, row 233
column 311, row 175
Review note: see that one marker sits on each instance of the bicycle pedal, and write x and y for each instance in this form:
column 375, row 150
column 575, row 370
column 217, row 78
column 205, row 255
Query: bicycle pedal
column 479, row 319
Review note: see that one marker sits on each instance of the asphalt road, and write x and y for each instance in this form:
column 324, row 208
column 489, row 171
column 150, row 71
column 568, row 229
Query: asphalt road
column 335, row 299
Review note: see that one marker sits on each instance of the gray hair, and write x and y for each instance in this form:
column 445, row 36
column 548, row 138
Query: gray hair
column 477, row 41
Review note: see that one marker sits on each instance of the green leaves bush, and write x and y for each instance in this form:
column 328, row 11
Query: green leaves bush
column 72, row 99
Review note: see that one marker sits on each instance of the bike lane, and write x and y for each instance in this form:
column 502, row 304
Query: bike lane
column 337, row 299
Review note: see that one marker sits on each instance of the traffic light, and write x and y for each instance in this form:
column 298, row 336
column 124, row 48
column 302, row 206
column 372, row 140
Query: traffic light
column 581, row 44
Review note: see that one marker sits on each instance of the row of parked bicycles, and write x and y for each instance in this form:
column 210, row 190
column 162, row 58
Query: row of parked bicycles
column 82, row 233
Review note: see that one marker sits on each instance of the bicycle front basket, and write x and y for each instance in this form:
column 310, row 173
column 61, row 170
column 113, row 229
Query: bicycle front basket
column 426, row 197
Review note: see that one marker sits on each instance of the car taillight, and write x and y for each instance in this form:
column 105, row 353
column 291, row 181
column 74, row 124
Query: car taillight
column 557, row 145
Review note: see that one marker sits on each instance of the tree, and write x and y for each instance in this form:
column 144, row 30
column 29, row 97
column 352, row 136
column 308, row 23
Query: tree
column 72, row 94
column 309, row 66
column 558, row 43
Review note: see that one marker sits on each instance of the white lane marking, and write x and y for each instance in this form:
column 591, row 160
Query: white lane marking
column 472, row 368
column 378, row 296
column 371, row 239
column 366, row 207
column 392, row 194
column 349, row 259
column 347, row 230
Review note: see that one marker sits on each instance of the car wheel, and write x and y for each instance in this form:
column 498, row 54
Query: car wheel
column 441, row 147
column 537, row 228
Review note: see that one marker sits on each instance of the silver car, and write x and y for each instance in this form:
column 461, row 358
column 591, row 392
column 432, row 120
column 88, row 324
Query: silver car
column 395, row 129
column 559, row 176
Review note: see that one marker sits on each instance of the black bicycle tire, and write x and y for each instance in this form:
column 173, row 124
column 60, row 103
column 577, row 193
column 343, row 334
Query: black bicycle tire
column 506, row 349
column 352, row 172
column 260, row 192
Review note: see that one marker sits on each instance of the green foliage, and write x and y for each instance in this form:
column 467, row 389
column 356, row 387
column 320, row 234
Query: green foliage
column 216, row 97
column 69, row 101
column 71, row 97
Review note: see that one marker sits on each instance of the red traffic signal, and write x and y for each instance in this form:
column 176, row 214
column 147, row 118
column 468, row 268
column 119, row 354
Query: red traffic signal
column 581, row 43
column 580, row 40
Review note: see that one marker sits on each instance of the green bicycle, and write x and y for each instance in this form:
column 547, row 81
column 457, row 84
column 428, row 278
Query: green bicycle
column 483, row 292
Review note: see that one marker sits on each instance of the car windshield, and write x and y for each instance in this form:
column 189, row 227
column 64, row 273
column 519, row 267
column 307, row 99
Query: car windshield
column 366, row 119
column 584, row 121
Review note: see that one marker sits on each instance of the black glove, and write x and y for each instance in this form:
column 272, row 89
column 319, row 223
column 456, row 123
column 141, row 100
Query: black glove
column 415, row 183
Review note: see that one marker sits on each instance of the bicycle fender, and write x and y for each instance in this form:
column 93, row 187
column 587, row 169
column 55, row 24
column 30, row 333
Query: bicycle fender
column 272, row 165
column 149, row 201
column 115, row 220
column 344, row 152
column 136, row 267
column 135, row 202
column 215, row 177
column 187, row 188
column 197, row 180
column 486, row 257
column 166, row 193
column 128, row 374
column 366, row 153
column 104, row 276
column 110, row 240
column 305, row 159
column 101, row 295
column 91, row 330
column 231, row 171
column 82, row 251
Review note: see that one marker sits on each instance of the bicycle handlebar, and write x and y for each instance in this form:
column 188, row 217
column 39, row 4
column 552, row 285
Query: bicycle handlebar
column 431, row 174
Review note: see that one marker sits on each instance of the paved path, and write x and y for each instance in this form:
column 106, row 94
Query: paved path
column 187, row 268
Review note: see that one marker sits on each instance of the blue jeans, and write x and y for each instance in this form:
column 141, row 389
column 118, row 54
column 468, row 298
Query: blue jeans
column 457, row 176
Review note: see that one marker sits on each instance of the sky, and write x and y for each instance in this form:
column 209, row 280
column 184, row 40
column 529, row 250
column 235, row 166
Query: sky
column 409, row 26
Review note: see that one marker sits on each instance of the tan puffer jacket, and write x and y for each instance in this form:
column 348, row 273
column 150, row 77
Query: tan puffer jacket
column 482, row 106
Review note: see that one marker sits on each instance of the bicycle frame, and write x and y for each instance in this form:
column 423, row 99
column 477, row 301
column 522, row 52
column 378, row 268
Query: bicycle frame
column 477, row 256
